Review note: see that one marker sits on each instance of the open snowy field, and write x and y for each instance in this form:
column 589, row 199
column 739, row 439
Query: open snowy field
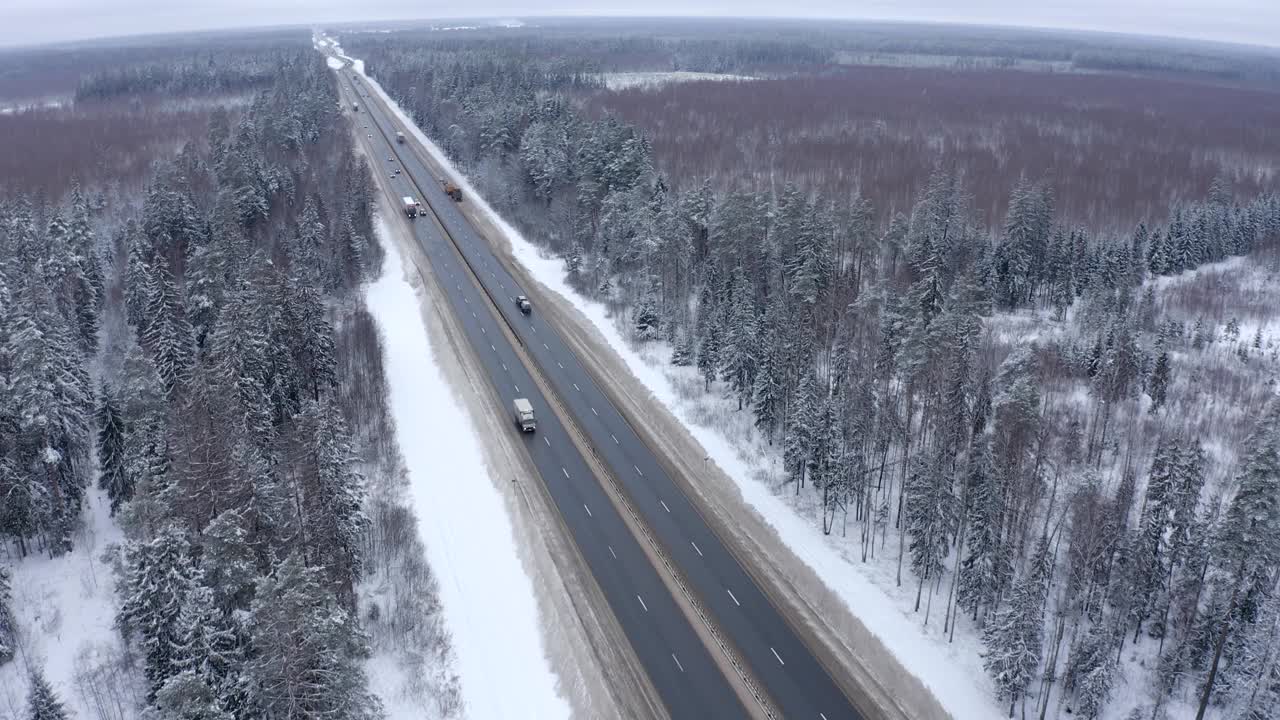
column 66, row 609
column 624, row 80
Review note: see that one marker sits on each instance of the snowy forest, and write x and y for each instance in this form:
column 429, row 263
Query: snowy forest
column 182, row 346
column 1057, row 440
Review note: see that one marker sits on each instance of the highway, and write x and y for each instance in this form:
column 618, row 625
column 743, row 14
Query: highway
column 689, row 682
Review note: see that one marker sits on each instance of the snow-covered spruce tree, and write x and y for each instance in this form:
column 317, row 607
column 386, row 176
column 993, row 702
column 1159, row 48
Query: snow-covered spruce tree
column 930, row 516
column 42, row 702
column 1246, row 549
column 168, row 335
column 1254, row 673
column 1158, row 384
column 113, row 477
column 159, row 576
column 1014, row 635
column 332, row 493
column 146, row 451
column 306, row 651
column 739, row 354
column 8, row 624
column 986, row 567
column 802, row 426
column 208, row 661
column 51, row 401
column 767, row 390
column 1091, row 671
column 185, row 696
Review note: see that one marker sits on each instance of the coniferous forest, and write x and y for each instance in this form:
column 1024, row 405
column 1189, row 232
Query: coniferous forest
column 183, row 341
column 995, row 311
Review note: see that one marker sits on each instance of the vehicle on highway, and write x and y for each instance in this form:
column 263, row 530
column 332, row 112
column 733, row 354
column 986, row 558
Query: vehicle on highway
column 452, row 190
column 524, row 415
column 355, row 107
column 400, row 137
column 411, row 206
column 390, row 159
column 370, row 136
column 523, row 303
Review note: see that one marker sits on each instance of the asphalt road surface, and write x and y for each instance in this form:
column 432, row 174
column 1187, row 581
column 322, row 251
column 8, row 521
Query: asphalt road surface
column 690, row 684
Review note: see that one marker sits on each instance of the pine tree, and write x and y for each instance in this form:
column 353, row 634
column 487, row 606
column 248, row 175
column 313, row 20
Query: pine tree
column 158, row 579
column 1247, row 546
column 986, row 567
column 683, row 354
column 1013, row 636
column 146, row 451
column 306, row 651
column 333, row 496
column 1255, row 669
column 930, row 517
column 709, row 343
column 739, row 354
column 1158, row 385
column 168, row 335
column 1090, row 673
column 208, row 661
column 801, row 429
column 186, row 696
column 645, row 318
column 114, row 477
column 42, row 702
column 8, row 624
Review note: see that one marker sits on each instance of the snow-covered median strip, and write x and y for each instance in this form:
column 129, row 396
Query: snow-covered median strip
column 487, row 597
column 953, row 672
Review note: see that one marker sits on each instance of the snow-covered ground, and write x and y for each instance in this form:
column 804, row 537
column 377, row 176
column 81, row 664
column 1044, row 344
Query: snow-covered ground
column 65, row 609
column 488, row 599
column 624, row 80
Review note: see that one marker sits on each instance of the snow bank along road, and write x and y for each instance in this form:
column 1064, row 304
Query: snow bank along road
column 779, row 666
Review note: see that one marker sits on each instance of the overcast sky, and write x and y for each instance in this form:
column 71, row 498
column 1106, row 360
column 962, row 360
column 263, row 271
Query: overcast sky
column 25, row 22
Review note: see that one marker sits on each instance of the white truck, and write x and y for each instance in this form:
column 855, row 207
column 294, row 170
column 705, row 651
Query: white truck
column 355, row 107
column 524, row 415
column 400, row 138
column 412, row 207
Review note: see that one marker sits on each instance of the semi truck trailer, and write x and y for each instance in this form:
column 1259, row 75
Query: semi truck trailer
column 412, row 207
